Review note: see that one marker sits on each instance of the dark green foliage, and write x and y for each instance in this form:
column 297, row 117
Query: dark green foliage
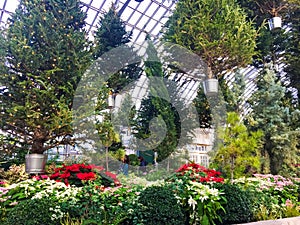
column 11, row 152
column 113, row 41
column 47, row 52
column 98, row 207
column 216, row 30
column 151, row 108
column 112, row 34
column 219, row 32
column 293, row 50
column 133, row 160
column 164, row 103
column 158, row 206
column 279, row 46
column 277, row 120
column 238, row 206
column 203, row 109
column 33, row 212
column 88, row 206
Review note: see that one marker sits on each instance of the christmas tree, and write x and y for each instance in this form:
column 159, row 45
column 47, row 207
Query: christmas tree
column 47, row 51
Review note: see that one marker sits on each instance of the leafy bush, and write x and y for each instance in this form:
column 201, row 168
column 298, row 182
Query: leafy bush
column 133, row 159
column 200, row 202
column 157, row 205
column 238, row 207
column 86, row 205
column 14, row 174
column 269, row 194
column 33, row 188
column 291, row 210
column 34, row 212
column 93, row 206
column 154, row 175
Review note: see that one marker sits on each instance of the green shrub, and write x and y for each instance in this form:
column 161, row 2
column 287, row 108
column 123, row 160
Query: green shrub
column 34, row 212
column 265, row 205
column 93, row 206
column 88, row 204
column 238, row 207
column 157, row 175
column 133, row 159
column 14, row 174
column 157, row 205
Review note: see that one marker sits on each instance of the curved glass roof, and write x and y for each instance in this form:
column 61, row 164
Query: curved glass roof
column 141, row 17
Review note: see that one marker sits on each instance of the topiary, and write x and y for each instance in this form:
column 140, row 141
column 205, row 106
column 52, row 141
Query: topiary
column 238, row 208
column 34, row 212
column 158, row 206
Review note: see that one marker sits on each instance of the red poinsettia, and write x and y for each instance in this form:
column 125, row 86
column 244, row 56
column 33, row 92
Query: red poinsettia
column 77, row 174
column 199, row 173
column 114, row 177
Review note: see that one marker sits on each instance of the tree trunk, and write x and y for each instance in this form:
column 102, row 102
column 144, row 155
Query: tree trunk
column 232, row 158
column 37, row 147
column 106, row 157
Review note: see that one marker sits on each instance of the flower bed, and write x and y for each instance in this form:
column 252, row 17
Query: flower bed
column 86, row 194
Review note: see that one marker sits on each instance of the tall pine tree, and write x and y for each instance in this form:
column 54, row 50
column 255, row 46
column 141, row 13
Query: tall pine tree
column 165, row 103
column 112, row 34
column 239, row 154
column 47, row 51
column 271, row 115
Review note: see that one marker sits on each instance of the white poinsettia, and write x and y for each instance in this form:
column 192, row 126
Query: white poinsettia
column 192, row 203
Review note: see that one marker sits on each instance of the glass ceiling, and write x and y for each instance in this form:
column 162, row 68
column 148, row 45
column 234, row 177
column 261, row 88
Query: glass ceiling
column 141, row 17
column 146, row 17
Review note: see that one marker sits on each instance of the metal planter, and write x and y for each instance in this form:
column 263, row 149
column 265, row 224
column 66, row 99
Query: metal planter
column 211, row 87
column 274, row 23
column 35, row 163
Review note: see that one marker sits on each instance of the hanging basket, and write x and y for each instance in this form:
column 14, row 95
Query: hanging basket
column 274, row 23
column 35, row 163
column 210, row 87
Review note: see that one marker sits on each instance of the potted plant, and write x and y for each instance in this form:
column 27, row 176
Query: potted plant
column 210, row 85
column 42, row 69
column 272, row 8
column 218, row 32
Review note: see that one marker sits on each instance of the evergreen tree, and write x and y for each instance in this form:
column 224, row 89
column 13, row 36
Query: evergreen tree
column 203, row 109
column 278, row 46
column 232, row 92
column 216, row 30
column 47, row 52
column 125, row 114
column 292, row 50
column 271, row 115
column 163, row 102
column 220, row 33
column 112, row 34
column 239, row 154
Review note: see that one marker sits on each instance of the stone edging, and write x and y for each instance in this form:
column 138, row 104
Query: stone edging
column 285, row 221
